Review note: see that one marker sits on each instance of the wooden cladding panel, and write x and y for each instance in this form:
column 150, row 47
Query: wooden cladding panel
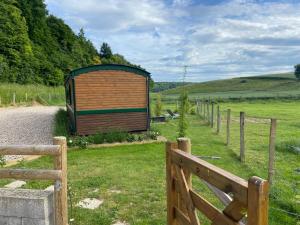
column 91, row 124
column 110, row 90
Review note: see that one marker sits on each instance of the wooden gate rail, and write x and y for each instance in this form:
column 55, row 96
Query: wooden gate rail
column 250, row 198
column 58, row 174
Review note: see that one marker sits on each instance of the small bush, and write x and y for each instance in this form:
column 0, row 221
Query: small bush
column 111, row 137
column 115, row 136
column 80, row 141
column 98, row 138
column 193, row 111
column 130, row 138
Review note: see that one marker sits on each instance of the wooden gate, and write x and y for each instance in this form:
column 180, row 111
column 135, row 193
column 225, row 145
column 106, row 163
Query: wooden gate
column 58, row 174
column 248, row 199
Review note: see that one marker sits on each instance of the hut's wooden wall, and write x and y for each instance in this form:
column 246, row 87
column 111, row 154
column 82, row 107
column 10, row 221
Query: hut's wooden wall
column 91, row 124
column 110, row 90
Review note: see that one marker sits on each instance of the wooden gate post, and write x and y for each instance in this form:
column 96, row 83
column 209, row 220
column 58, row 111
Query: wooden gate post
column 60, row 188
column 242, row 137
column 258, row 201
column 218, row 120
column 172, row 197
column 212, row 115
column 228, row 127
column 184, row 144
column 272, row 150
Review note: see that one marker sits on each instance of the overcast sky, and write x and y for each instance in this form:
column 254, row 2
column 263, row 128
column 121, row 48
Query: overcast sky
column 217, row 39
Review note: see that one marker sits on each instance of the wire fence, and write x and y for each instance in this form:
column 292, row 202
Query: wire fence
column 252, row 139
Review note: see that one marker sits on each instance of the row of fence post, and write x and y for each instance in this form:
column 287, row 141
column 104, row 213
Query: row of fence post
column 206, row 109
column 14, row 99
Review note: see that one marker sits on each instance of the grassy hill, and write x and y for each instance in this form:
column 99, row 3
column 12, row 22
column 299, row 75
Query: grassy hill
column 271, row 85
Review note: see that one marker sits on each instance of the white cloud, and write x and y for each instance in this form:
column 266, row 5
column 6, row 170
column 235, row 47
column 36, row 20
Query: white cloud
column 234, row 38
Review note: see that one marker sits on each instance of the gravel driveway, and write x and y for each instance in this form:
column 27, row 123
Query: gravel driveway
column 27, row 125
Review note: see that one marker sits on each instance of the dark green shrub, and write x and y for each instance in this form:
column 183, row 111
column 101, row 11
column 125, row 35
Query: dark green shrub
column 80, row 141
column 115, row 136
column 130, row 137
column 98, row 138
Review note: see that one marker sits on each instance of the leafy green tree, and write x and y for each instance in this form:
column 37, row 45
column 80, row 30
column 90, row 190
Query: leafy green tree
column 36, row 47
column 105, row 51
column 158, row 105
column 297, row 71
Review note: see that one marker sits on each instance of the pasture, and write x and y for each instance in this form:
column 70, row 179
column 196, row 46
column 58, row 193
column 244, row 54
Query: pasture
column 266, row 86
column 138, row 171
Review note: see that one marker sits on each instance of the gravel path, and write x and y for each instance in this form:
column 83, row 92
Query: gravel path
column 26, row 125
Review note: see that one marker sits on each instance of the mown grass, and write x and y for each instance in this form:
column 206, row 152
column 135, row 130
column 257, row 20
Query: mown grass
column 35, row 94
column 139, row 171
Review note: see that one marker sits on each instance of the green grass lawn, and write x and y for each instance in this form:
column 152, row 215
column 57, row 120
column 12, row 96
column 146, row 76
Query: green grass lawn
column 138, row 171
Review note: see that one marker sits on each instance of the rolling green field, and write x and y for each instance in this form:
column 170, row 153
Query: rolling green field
column 138, row 171
column 271, row 86
column 35, row 94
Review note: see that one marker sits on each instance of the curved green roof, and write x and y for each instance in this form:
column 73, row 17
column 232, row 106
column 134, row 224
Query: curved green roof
column 92, row 68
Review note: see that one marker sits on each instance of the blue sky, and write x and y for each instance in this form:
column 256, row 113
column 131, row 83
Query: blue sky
column 217, row 39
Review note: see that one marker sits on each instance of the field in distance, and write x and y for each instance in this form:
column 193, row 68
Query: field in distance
column 271, row 85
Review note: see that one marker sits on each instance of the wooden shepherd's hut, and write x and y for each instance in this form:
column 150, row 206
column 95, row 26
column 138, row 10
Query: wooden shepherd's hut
column 102, row 98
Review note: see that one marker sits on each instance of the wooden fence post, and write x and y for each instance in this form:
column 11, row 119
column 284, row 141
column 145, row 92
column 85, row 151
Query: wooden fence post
column 60, row 188
column 242, row 137
column 197, row 111
column 200, row 107
column 26, row 97
column 207, row 112
column 204, row 110
column 172, row 197
column 218, row 120
column 14, row 98
column 228, row 127
column 258, row 200
column 272, row 141
column 212, row 115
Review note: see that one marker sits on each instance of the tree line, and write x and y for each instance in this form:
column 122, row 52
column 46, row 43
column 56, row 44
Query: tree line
column 36, row 47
